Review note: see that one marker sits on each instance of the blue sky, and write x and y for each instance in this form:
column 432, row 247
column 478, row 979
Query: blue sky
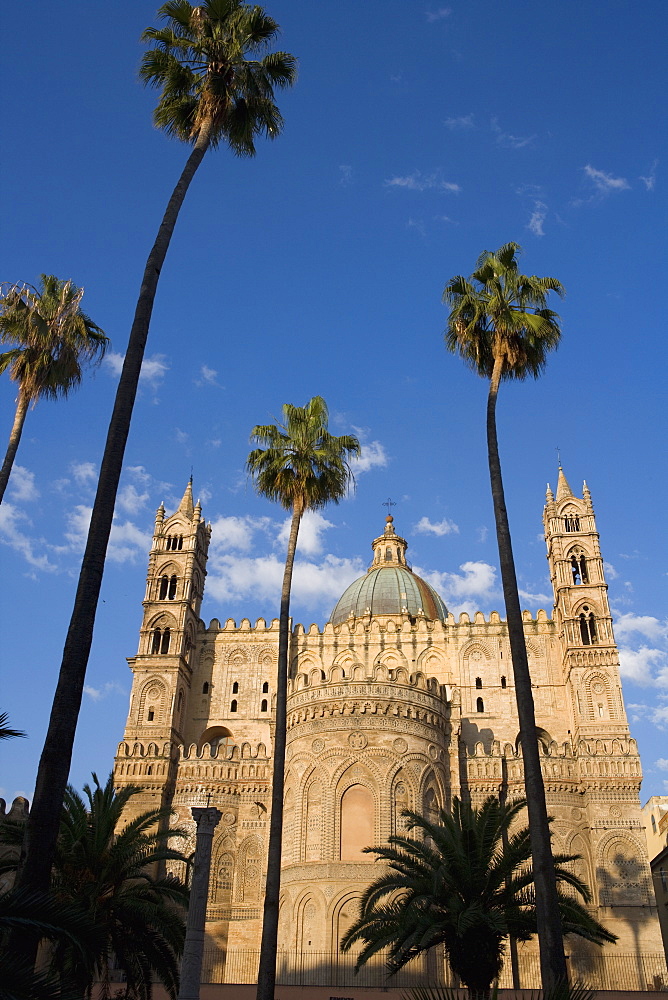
column 418, row 135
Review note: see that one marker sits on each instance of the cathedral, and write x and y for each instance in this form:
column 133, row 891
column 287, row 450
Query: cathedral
column 392, row 705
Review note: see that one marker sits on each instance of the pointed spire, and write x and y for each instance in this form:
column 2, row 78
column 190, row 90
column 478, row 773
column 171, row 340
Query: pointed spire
column 586, row 496
column 549, row 495
column 186, row 506
column 563, row 489
column 160, row 514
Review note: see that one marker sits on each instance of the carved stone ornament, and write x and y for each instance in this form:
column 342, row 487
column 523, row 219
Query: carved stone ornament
column 433, row 752
column 400, row 745
column 357, row 741
column 318, row 746
column 229, row 818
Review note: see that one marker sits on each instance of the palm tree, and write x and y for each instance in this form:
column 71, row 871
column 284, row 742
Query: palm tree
column 500, row 325
column 5, row 732
column 104, row 883
column 217, row 85
column 303, row 467
column 466, row 882
column 52, row 338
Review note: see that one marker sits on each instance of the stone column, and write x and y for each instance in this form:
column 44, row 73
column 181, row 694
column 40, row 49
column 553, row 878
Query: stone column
column 207, row 820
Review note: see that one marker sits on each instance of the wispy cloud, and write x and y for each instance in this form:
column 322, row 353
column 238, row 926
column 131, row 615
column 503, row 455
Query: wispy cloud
column 207, row 376
column 605, row 183
column 459, row 123
column 99, row 694
column 509, row 140
column 153, row 369
column 444, row 527
column 345, row 174
column 650, row 180
column 464, row 591
column 85, row 473
column 21, row 486
column 438, row 15
column 12, row 534
column 538, row 216
column 372, row 456
column 418, row 225
column 417, row 181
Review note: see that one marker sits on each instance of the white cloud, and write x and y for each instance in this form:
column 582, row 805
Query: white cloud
column 417, row 224
column 650, row 180
column 444, row 527
column 538, row 216
column 372, row 456
column 207, row 376
column 152, row 371
column 483, row 533
column 610, row 571
column 236, row 532
column 12, row 535
column 98, row 694
column 180, row 436
column 84, row 473
column 661, row 763
column 130, row 499
column 605, row 183
column 309, row 539
column 345, row 174
column 645, row 625
column 509, row 140
column 463, row 591
column 534, row 599
column 644, row 666
column 462, row 122
column 438, row 15
column 417, row 181
column 21, row 486
column 127, row 542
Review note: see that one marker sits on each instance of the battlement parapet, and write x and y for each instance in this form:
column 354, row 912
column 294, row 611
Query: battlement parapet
column 322, row 680
column 222, row 751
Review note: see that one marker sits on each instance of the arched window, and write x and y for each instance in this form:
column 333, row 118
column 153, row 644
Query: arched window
column 233, row 706
column 388, row 555
column 149, row 769
column 399, row 555
column 205, row 687
column 164, row 584
column 357, row 830
column 180, row 540
column 587, row 627
column 265, row 687
column 150, row 715
column 583, row 570
column 164, row 645
column 479, row 705
column 179, row 702
column 235, row 687
column 171, row 594
column 503, row 681
column 572, row 522
column 478, row 682
column 263, row 706
column 155, row 641
column 579, row 569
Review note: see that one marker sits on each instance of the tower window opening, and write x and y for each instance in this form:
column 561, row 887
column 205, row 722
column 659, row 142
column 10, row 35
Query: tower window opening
column 653, row 825
column 164, row 584
column 587, row 627
column 399, row 555
column 150, row 715
column 171, row 593
column 235, row 687
column 164, row 645
column 572, row 522
column 263, row 706
column 265, row 687
column 388, row 555
column 149, row 769
column 480, row 705
column 478, row 682
column 600, row 711
column 233, row 706
column 575, row 567
column 155, row 641
column 579, row 569
column 205, row 687
column 503, row 681
column 583, row 570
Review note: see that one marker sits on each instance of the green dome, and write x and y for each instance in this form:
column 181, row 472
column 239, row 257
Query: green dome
column 390, row 587
column 389, row 590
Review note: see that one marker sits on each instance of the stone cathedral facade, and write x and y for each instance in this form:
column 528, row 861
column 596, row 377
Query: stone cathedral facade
column 392, row 704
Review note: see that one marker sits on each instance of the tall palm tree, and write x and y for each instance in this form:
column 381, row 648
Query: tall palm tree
column 217, row 85
column 501, row 326
column 51, row 338
column 303, row 467
column 465, row 881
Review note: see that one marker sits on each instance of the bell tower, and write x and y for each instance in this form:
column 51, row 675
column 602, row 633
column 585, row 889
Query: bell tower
column 174, row 587
column 582, row 612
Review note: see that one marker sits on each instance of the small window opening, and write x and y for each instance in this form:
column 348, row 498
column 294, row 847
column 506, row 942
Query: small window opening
column 233, row 706
column 600, row 711
column 263, row 706
column 399, row 555
column 653, row 825
column 149, row 769
column 323, row 675
column 587, row 627
column 155, row 642
column 150, row 715
column 478, row 682
column 503, row 681
column 171, row 594
column 179, row 702
column 164, row 584
column 480, row 705
column 205, row 687
column 164, row 645
column 235, row 687
column 575, row 567
column 583, row 570
column 265, row 687
column 388, row 555
column 572, row 522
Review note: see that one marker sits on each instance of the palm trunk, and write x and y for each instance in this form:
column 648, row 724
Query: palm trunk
column 550, row 935
column 17, row 429
column 266, row 977
column 54, row 765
